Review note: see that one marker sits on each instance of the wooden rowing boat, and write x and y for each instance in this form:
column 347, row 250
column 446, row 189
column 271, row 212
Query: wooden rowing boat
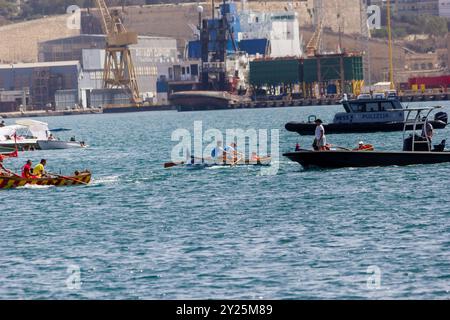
column 10, row 182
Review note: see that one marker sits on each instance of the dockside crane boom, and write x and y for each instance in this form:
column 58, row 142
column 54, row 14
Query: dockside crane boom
column 314, row 45
column 119, row 71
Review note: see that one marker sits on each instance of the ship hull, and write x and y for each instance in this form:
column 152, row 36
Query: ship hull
column 304, row 128
column 203, row 100
column 345, row 159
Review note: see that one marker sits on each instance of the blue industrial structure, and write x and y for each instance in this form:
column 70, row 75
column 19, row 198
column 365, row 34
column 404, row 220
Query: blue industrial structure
column 218, row 40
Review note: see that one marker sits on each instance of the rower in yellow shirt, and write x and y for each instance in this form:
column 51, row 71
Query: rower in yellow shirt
column 39, row 169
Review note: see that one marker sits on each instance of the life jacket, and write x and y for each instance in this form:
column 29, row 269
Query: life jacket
column 366, row 147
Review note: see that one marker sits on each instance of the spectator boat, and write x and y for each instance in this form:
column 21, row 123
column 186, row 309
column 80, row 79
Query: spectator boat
column 33, row 135
column 416, row 150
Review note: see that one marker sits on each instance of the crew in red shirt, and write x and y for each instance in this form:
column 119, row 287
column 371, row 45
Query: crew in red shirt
column 26, row 170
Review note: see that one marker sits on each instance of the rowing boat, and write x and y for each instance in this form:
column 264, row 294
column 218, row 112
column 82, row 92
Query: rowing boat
column 10, row 182
column 203, row 165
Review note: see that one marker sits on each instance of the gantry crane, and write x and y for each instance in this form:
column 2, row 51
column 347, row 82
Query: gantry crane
column 119, row 71
column 314, row 45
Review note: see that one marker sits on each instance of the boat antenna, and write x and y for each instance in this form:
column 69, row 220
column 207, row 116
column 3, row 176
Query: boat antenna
column 391, row 63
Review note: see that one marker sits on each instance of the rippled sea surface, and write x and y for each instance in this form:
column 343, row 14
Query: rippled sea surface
column 140, row 231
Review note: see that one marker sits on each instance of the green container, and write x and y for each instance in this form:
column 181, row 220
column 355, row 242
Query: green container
column 354, row 69
column 310, row 70
column 331, row 68
column 274, row 72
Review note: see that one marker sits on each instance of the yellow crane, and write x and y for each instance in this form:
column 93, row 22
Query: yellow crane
column 391, row 62
column 314, row 45
column 119, row 71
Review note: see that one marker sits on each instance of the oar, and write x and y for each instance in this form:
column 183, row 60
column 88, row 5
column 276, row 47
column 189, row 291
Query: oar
column 236, row 162
column 68, row 178
column 11, row 173
column 172, row 164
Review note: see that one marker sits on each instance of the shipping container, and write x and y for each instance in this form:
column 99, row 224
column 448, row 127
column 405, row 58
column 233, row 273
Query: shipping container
column 431, row 82
column 275, row 72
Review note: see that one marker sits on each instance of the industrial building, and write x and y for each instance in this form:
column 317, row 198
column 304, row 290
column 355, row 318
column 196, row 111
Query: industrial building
column 14, row 100
column 42, row 80
column 417, row 7
column 281, row 29
column 156, row 61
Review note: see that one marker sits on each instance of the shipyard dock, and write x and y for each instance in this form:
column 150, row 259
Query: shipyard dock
column 245, row 105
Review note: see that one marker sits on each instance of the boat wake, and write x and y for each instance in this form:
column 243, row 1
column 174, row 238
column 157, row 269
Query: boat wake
column 35, row 187
column 104, row 181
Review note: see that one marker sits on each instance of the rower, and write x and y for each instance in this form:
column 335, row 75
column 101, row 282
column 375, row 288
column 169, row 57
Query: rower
column 39, row 170
column 26, row 170
column 3, row 170
column 231, row 152
column 218, row 151
column 364, row 147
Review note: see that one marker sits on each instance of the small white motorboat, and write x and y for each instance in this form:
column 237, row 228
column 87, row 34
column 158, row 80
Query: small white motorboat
column 44, row 138
column 57, row 144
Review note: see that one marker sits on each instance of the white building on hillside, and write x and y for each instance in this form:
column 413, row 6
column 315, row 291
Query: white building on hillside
column 280, row 28
column 444, row 8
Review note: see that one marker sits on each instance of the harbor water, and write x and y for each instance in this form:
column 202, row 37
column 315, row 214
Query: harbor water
column 140, row 231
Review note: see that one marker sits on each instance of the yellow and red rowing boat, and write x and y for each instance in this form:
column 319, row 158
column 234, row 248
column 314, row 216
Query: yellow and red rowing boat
column 10, row 182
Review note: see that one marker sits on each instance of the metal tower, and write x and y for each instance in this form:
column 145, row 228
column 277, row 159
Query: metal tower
column 365, row 43
column 119, row 71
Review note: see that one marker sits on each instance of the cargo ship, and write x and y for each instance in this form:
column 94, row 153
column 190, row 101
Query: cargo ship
column 225, row 46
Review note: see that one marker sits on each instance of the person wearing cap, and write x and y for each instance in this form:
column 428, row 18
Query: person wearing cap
column 364, row 147
column 320, row 141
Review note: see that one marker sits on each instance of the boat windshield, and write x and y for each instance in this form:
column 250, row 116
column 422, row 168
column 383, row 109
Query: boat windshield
column 373, row 106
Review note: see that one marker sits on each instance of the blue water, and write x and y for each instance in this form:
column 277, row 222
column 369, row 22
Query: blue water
column 140, row 231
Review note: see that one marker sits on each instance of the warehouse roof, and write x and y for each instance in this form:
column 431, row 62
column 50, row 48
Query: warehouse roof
column 97, row 37
column 39, row 64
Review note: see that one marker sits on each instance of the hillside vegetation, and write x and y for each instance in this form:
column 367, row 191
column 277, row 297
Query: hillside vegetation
column 30, row 9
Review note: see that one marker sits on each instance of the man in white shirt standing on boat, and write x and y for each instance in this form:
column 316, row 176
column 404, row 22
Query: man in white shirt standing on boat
column 320, row 140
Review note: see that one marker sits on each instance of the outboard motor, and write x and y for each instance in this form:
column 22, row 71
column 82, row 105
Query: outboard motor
column 418, row 145
column 442, row 116
column 440, row 147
